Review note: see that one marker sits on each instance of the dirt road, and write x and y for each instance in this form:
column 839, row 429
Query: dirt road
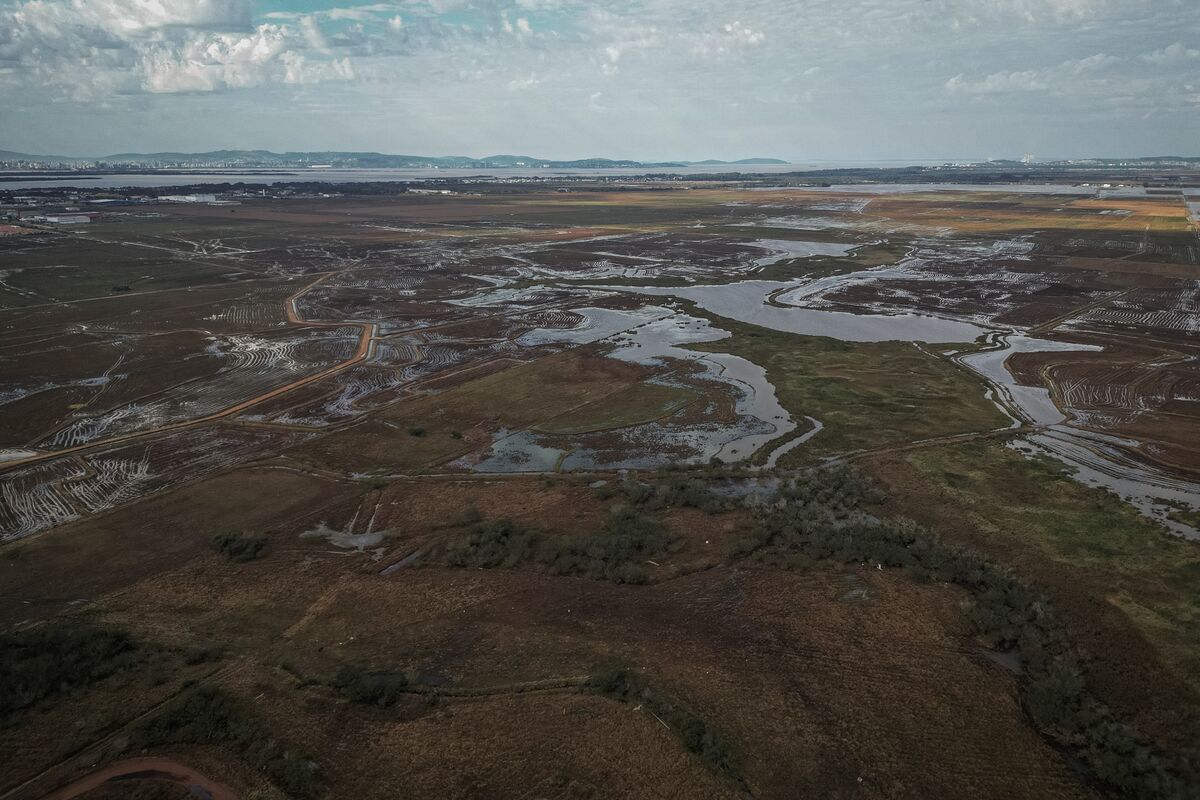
column 163, row 769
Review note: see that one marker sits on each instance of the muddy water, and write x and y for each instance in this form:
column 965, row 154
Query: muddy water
column 784, row 249
column 787, row 447
column 598, row 324
column 654, row 335
column 1032, row 402
column 1096, row 459
column 654, row 342
column 746, row 301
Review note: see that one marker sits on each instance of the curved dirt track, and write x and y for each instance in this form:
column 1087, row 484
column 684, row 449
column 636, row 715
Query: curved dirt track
column 163, row 769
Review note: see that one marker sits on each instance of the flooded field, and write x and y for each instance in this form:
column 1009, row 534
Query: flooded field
column 1093, row 458
column 654, row 336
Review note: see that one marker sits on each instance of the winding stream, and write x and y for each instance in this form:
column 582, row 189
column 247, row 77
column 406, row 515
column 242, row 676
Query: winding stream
column 1096, row 459
column 653, row 336
column 746, row 302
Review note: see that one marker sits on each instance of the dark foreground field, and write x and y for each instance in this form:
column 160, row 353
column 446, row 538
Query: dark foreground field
column 490, row 668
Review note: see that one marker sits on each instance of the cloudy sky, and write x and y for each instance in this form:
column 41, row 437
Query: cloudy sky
column 804, row 80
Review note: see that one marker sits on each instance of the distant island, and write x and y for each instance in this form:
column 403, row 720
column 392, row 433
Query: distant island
column 265, row 159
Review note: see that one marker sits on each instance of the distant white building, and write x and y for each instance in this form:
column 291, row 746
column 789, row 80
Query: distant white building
column 189, row 198
column 68, row 219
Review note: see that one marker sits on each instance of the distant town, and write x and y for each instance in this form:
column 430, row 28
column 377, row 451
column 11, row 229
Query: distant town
column 265, row 159
column 28, row 206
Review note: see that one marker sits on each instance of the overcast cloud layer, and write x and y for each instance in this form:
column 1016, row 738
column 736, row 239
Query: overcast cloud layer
column 804, row 80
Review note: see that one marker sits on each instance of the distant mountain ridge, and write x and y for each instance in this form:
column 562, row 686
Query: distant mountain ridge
column 250, row 159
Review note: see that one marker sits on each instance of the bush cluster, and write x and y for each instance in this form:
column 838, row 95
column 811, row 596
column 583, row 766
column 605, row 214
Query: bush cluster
column 618, row 553
column 205, row 715
column 674, row 492
column 239, row 547
column 499, row 543
column 62, row 658
column 821, row 516
column 372, row 688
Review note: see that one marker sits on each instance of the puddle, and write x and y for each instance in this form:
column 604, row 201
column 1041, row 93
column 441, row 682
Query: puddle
column 344, row 539
column 519, row 451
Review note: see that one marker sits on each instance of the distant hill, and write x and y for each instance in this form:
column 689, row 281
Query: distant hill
column 9, row 155
column 249, row 159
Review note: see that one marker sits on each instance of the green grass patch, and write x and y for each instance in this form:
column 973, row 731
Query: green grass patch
column 635, row 405
column 1185, row 516
column 868, row 394
column 1151, row 574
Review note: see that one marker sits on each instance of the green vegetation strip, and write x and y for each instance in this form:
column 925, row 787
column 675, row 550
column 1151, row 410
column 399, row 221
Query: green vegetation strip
column 821, row 517
column 1035, row 505
column 697, row 736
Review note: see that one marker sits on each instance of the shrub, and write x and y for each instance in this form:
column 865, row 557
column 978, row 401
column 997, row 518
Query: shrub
column 674, row 492
column 206, row 715
column 618, row 553
column 239, row 547
column 500, row 543
column 203, row 715
column 202, row 655
column 373, row 688
column 697, row 736
column 62, row 658
column 416, row 430
column 605, row 491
